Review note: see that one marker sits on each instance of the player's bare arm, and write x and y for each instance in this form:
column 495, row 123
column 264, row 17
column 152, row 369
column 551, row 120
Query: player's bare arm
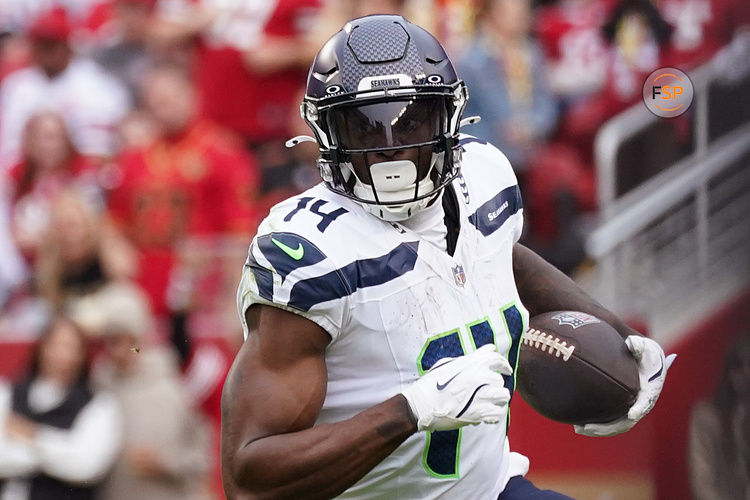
column 272, row 396
column 543, row 288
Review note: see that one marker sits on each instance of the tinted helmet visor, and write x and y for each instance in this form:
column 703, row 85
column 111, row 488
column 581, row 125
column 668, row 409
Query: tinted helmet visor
column 390, row 124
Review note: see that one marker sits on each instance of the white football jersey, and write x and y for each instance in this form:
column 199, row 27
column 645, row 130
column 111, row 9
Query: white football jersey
column 394, row 304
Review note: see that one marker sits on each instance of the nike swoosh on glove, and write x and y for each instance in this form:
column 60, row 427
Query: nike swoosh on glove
column 461, row 391
column 652, row 371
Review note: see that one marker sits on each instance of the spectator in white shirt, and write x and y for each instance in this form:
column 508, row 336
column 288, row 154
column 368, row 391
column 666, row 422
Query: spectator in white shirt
column 58, row 439
column 91, row 102
column 166, row 447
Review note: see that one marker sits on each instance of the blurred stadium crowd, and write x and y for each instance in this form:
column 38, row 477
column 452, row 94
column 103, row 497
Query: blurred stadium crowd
column 142, row 141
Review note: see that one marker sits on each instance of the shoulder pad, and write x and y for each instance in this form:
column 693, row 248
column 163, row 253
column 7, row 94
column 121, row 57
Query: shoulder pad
column 314, row 251
column 492, row 186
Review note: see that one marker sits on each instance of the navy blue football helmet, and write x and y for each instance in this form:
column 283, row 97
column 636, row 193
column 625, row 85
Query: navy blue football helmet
column 385, row 104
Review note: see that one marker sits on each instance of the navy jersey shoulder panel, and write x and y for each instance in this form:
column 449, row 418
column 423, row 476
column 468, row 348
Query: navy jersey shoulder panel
column 493, row 213
column 288, row 251
column 263, row 277
column 363, row 273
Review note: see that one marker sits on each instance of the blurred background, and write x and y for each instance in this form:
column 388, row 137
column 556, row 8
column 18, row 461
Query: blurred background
column 142, row 141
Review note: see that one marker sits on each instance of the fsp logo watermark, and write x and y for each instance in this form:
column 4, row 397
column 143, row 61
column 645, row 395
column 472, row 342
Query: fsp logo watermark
column 668, row 92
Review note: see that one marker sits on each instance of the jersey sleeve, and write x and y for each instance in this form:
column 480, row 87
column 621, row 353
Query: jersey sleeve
column 288, row 270
column 494, row 187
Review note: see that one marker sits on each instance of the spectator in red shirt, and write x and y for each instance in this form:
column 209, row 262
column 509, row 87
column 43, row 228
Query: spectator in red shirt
column 635, row 35
column 245, row 49
column 54, row 207
column 571, row 35
column 600, row 53
column 570, row 32
column 250, row 62
column 50, row 163
column 189, row 192
column 701, row 28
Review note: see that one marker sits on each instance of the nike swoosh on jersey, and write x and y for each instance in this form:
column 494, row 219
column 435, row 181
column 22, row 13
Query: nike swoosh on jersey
column 296, row 254
column 345, row 281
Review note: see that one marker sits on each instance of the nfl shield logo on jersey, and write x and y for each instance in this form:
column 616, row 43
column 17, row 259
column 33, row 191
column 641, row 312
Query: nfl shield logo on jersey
column 459, row 275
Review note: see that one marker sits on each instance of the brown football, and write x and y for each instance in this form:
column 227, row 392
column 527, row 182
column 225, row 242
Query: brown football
column 576, row 369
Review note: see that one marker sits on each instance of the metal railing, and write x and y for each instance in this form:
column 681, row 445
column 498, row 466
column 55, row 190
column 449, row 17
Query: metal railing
column 678, row 244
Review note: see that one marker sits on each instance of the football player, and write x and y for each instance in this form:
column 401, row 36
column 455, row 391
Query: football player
column 383, row 309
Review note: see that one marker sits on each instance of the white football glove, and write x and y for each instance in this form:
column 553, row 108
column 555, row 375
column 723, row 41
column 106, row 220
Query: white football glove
column 461, row 391
column 652, row 371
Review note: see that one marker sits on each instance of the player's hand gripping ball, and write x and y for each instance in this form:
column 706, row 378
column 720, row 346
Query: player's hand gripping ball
column 459, row 391
column 652, row 372
column 576, row 369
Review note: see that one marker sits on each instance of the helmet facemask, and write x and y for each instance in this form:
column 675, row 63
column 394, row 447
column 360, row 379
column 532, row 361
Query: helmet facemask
column 393, row 153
